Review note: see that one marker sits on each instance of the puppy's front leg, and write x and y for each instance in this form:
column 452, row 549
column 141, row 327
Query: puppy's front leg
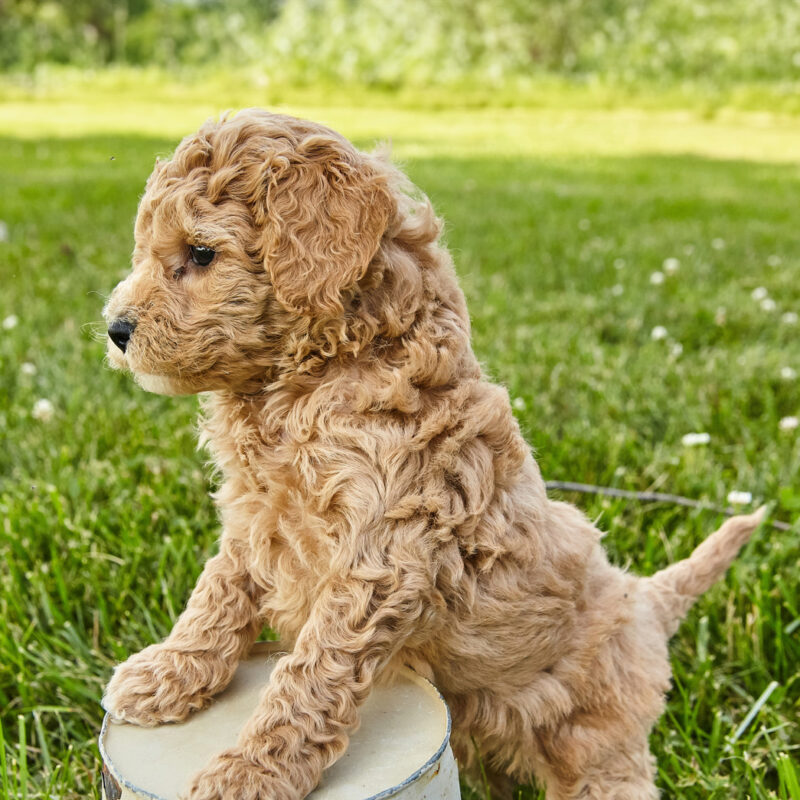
column 311, row 704
column 164, row 682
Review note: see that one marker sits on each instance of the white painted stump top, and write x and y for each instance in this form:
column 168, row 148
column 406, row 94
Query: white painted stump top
column 401, row 749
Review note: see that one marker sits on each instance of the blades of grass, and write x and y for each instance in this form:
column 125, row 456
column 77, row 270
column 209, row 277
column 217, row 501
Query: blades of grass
column 757, row 706
column 3, row 765
column 792, row 627
column 53, row 781
column 789, row 780
column 667, row 779
column 63, row 779
column 716, row 735
column 702, row 640
column 23, row 758
column 484, row 777
column 37, row 722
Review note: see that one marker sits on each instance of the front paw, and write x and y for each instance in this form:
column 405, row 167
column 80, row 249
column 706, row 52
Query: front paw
column 233, row 776
column 162, row 685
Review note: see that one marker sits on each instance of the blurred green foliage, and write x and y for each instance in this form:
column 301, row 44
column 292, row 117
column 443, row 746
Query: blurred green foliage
column 167, row 33
column 394, row 43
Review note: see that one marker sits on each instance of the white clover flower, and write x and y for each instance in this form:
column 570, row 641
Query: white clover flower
column 788, row 423
column 43, row 410
column 26, row 368
column 619, row 263
column 3, row 231
column 585, row 224
column 10, row 322
column 657, row 278
column 789, row 318
column 788, row 373
column 693, row 439
column 774, row 260
column 671, row 265
column 718, row 244
column 617, row 289
column 768, row 304
column 519, row 403
column 740, row 498
column 759, row 293
column 658, row 333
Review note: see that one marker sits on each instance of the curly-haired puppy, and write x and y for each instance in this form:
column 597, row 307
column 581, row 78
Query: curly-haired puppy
column 379, row 505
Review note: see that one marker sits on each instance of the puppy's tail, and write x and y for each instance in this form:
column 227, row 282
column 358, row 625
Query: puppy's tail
column 674, row 590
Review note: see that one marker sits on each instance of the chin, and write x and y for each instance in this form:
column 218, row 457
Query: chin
column 115, row 359
column 159, row 384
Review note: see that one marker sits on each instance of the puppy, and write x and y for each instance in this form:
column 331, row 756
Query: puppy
column 378, row 504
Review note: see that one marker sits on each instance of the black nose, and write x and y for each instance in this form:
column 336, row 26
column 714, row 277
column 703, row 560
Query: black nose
column 119, row 331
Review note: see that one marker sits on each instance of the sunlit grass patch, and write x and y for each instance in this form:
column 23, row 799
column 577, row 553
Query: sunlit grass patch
column 557, row 221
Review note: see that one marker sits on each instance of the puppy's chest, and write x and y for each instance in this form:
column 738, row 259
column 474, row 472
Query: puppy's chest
column 290, row 539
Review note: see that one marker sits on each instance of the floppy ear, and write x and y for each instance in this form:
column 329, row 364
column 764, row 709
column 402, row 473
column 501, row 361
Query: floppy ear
column 326, row 211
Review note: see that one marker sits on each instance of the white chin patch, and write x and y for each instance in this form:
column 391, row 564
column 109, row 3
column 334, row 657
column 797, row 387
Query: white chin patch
column 115, row 357
column 157, row 384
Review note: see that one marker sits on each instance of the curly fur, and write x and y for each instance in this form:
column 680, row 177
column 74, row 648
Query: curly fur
column 379, row 504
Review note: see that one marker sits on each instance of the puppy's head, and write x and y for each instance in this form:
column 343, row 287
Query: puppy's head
column 258, row 227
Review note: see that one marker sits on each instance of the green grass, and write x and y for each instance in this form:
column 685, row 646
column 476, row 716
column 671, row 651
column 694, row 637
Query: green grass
column 105, row 518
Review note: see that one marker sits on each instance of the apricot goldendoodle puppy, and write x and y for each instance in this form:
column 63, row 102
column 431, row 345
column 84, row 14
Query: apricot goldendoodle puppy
column 379, row 505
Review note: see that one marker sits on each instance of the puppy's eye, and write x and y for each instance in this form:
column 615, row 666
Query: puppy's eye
column 201, row 255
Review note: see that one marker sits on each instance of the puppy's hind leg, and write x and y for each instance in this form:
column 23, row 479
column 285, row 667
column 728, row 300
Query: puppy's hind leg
column 581, row 769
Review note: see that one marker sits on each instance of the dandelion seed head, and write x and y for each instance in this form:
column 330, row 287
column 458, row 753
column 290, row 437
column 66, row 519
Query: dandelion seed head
column 774, row 260
column 10, row 322
column 617, row 289
column 671, row 265
column 789, row 423
column 694, row 439
column 657, row 278
column 43, row 410
column 759, row 293
column 519, row 403
column 27, row 368
column 738, row 498
column 768, row 304
column 658, row 333
column 619, row 263
column 788, row 373
column 718, row 244
column 789, row 318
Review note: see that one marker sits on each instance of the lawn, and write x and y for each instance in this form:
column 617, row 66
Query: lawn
column 632, row 277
